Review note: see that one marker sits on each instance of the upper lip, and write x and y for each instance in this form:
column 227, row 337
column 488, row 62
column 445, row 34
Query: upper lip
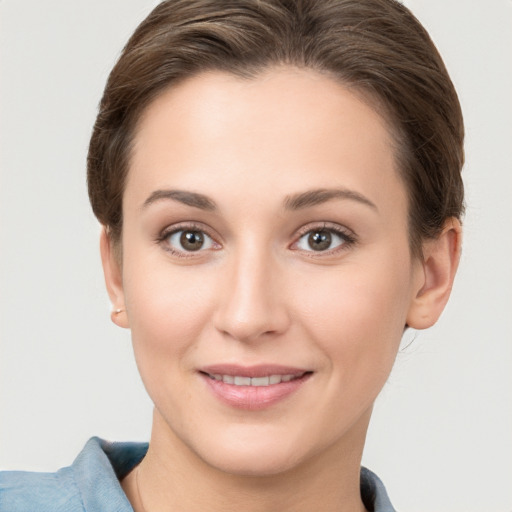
column 260, row 370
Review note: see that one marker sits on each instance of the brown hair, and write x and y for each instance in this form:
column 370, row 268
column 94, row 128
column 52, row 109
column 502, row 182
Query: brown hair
column 376, row 47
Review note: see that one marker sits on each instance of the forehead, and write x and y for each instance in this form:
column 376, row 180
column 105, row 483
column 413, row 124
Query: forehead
column 285, row 128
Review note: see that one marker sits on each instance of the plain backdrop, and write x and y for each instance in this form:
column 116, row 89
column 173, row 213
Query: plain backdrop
column 441, row 436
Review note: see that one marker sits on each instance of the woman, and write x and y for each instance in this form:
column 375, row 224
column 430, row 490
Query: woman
column 279, row 185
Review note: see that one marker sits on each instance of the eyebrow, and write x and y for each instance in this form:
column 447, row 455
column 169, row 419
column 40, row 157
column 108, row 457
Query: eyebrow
column 322, row 195
column 293, row 202
column 182, row 196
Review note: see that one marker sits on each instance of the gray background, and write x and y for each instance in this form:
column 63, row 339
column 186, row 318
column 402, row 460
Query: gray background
column 441, row 437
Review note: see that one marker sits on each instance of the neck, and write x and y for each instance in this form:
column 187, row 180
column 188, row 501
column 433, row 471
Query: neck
column 173, row 477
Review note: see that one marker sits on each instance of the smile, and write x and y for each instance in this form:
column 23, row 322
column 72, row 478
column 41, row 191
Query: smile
column 253, row 388
column 239, row 380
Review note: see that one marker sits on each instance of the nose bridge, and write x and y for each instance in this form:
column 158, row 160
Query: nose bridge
column 251, row 304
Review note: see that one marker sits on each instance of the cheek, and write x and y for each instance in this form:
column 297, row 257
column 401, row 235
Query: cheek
column 168, row 310
column 357, row 314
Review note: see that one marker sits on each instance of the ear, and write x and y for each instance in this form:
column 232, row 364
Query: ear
column 113, row 279
column 435, row 276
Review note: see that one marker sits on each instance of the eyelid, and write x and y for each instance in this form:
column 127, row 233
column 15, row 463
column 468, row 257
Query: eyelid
column 165, row 233
column 347, row 234
column 181, row 226
column 327, row 226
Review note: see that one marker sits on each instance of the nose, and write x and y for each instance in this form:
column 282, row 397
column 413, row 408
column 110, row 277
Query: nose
column 252, row 304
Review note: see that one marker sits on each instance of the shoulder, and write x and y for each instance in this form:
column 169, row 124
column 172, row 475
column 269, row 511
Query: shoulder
column 22, row 491
column 90, row 484
column 374, row 493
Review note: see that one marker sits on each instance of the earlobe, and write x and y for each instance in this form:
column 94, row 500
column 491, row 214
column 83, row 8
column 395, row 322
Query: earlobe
column 437, row 273
column 113, row 279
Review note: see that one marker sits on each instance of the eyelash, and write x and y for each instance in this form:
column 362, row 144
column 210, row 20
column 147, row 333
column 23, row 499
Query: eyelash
column 163, row 237
column 348, row 238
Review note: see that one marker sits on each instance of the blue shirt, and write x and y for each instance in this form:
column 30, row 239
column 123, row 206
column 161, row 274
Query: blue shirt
column 91, row 483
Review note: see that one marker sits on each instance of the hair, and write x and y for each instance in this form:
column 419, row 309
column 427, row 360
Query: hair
column 375, row 47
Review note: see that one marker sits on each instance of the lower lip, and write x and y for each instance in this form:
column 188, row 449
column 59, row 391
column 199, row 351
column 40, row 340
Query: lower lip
column 253, row 398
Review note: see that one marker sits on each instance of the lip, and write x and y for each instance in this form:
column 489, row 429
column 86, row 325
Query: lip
column 261, row 370
column 248, row 397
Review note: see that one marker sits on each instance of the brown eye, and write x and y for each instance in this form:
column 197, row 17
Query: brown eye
column 189, row 240
column 323, row 239
column 319, row 240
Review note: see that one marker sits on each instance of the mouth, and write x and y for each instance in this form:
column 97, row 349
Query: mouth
column 255, row 387
column 242, row 380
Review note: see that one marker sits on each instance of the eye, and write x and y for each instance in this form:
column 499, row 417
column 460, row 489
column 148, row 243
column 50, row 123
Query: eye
column 323, row 239
column 189, row 240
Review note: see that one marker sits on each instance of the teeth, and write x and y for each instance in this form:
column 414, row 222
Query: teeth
column 275, row 379
column 260, row 381
column 242, row 381
column 254, row 381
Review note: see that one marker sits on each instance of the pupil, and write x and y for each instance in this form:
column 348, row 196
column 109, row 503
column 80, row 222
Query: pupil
column 191, row 240
column 319, row 240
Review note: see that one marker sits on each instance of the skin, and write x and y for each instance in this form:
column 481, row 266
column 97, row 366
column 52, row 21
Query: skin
column 258, row 293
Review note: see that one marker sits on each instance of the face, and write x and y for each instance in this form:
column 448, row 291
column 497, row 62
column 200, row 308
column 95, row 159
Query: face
column 266, row 271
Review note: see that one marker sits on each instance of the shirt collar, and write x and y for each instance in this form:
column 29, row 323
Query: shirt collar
column 101, row 465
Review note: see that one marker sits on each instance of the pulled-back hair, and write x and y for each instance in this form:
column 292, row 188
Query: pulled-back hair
column 375, row 47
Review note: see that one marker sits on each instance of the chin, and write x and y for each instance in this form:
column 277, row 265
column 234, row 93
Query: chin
column 253, row 463
column 250, row 452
